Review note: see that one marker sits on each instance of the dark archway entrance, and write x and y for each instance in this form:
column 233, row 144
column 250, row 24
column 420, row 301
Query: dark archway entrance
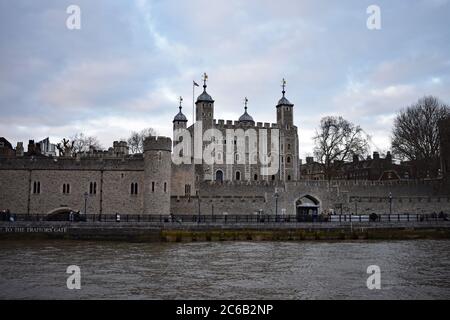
column 219, row 176
column 59, row 214
column 65, row 214
column 307, row 208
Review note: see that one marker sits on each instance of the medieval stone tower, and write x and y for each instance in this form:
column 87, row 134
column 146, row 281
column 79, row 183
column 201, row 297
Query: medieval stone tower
column 157, row 174
column 205, row 107
column 180, row 120
column 289, row 149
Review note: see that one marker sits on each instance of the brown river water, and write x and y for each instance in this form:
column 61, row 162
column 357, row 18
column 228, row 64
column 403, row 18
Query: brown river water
column 417, row 269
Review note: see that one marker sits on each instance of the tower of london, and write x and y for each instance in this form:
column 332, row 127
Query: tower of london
column 212, row 167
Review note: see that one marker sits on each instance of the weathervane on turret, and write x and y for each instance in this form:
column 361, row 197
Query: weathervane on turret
column 245, row 103
column 283, row 85
column 181, row 100
column 205, row 78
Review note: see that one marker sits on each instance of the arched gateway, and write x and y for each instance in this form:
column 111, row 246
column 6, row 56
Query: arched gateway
column 307, row 205
column 59, row 214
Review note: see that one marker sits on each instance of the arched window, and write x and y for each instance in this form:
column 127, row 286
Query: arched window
column 273, row 177
column 255, row 177
column 93, row 188
column 237, row 157
column 238, row 175
column 219, row 176
column 165, row 186
column 289, row 178
column 36, row 187
column 153, row 186
column 66, row 188
column 134, row 188
column 288, row 159
column 187, row 189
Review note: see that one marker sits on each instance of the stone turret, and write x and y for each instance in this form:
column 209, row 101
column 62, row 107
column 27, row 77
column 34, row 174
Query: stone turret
column 180, row 120
column 205, row 107
column 288, row 138
column 19, row 149
column 157, row 173
column 285, row 117
column 120, row 148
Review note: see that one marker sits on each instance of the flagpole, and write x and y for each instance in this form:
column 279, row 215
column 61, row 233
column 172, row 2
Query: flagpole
column 193, row 95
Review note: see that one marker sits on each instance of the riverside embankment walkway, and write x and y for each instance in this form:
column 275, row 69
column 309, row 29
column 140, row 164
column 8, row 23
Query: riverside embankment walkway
column 188, row 231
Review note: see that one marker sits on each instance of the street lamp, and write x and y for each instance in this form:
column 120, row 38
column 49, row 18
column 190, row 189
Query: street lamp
column 390, row 202
column 198, row 219
column 276, row 195
column 85, row 201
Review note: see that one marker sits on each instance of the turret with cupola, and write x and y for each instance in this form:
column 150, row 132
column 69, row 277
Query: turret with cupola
column 204, row 107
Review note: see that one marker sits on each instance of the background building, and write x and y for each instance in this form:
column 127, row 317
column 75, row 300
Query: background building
column 444, row 133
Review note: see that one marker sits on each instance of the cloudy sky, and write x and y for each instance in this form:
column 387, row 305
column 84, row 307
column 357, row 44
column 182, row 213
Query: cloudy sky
column 126, row 67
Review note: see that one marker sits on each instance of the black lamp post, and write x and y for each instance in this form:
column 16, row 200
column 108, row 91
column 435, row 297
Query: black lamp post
column 276, row 195
column 390, row 202
column 198, row 219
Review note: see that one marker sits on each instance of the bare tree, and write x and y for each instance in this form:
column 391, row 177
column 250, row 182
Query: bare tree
column 136, row 140
column 415, row 135
column 83, row 143
column 65, row 148
column 337, row 140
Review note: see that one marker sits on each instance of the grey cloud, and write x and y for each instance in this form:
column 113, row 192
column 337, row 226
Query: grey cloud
column 132, row 59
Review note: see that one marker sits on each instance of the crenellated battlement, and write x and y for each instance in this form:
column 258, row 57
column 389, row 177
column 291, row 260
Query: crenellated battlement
column 230, row 124
column 158, row 143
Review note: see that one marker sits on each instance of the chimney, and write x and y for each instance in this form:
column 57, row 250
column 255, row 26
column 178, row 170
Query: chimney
column 309, row 160
column 389, row 156
column 355, row 158
column 19, row 149
column 37, row 148
column 376, row 155
column 31, row 145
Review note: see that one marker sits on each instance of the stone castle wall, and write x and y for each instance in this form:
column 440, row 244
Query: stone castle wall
column 112, row 191
column 244, row 198
column 114, row 178
column 218, row 205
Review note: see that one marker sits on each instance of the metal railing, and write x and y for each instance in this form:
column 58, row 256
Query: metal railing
column 229, row 218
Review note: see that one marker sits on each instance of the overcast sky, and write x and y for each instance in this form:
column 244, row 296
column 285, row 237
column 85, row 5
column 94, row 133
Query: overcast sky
column 126, row 67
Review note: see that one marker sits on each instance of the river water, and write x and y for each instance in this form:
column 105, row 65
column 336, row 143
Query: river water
column 417, row 269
